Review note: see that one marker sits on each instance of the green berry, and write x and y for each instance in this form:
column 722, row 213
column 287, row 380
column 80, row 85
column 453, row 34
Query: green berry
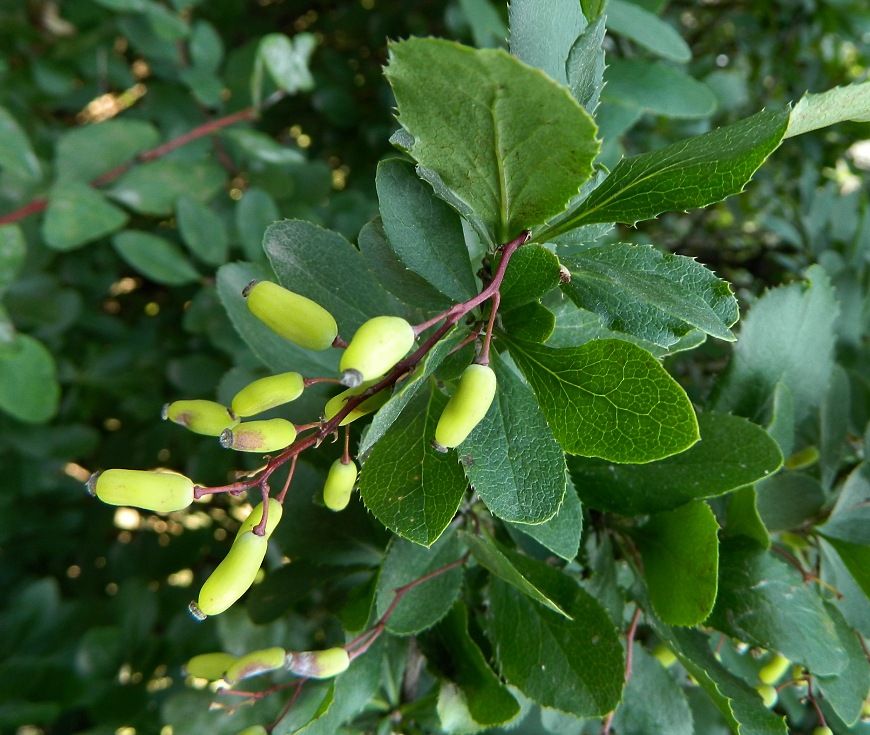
column 376, row 347
column 256, row 663
column 370, row 404
column 318, row 664
column 339, row 485
column 266, row 393
column 211, row 666
column 158, row 491
column 466, row 407
column 254, row 730
column 773, row 670
column 233, row 576
column 294, row 317
column 823, row 730
column 268, row 435
column 664, row 655
column 768, row 694
column 256, row 515
column 200, row 416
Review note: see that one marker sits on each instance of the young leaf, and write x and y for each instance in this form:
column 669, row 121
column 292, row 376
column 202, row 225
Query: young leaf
column 656, row 296
column 787, row 336
column 77, row 214
column 609, row 399
column 321, row 265
column 753, row 586
column 586, row 65
column 733, row 452
column 559, row 21
column 87, row 151
column 686, row 175
column 411, row 488
column 286, row 61
column 680, row 554
column 426, row 604
column 532, row 273
column 154, row 257
column 648, row 30
column 815, row 111
column 574, row 665
column 561, row 533
column 510, row 142
column 424, row 232
column 657, row 88
column 29, row 390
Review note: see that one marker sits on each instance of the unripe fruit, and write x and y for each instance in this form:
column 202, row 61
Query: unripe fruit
column 664, row 655
column 376, row 347
column 268, row 435
column 255, row 663
column 211, row 666
column 294, row 317
column 339, row 485
column 370, row 404
column 254, row 730
column 159, row 491
column 823, row 730
column 467, row 407
column 276, row 510
column 318, row 664
column 266, row 393
column 774, row 669
column 200, row 416
column 233, row 576
column 768, row 694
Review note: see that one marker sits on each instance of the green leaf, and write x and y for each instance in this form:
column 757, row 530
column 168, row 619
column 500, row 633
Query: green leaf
column 286, row 61
column 657, row 88
column 788, row 500
column 29, row 390
column 574, row 665
column 787, row 336
column 647, row 29
column 533, row 272
column 154, row 187
column 282, row 588
column 680, row 554
column 656, row 296
column 586, row 65
column 265, row 148
column 511, row 458
column 532, row 322
column 815, row 111
column 323, row 266
column 487, row 27
column 86, row 152
column 653, row 702
column 765, row 602
column 277, row 353
column 423, row 231
column 424, row 605
column 77, row 214
column 561, row 533
column 411, row 488
column 733, row 452
column 508, row 141
column 452, row 651
column 856, row 558
column 609, row 399
column 686, row 175
column 847, row 691
column 742, row 518
column 503, row 564
column 255, row 211
column 738, row 702
column 559, row 21
column 13, row 250
column 206, row 46
column 850, row 519
column 16, row 154
column 154, row 257
column 202, row 231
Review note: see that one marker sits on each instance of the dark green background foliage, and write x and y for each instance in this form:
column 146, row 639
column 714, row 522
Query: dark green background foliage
column 119, row 296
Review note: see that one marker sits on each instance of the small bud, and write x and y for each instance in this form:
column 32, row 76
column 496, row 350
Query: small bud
column 211, row 666
column 293, row 317
column 268, row 435
column 768, row 695
column 370, row 404
column 158, row 491
column 376, row 347
column 318, row 664
column 467, row 406
column 256, row 515
column 200, row 416
column 256, row 663
column 234, row 575
column 266, row 393
column 339, row 485
column 774, row 669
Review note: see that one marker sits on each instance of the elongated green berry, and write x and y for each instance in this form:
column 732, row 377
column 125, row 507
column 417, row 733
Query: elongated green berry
column 294, row 317
column 159, row 491
column 376, row 347
column 823, row 730
column 256, row 663
column 254, row 730
column 370, row 404
column 268, row 435
column 768, row 694
column 318, row 664
column 266, row 393
column 773, row 670
column 256, row 515
column 211, row 666
column 200, row 416
column 467, row 407
column 233, row 576
column 339, row 485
